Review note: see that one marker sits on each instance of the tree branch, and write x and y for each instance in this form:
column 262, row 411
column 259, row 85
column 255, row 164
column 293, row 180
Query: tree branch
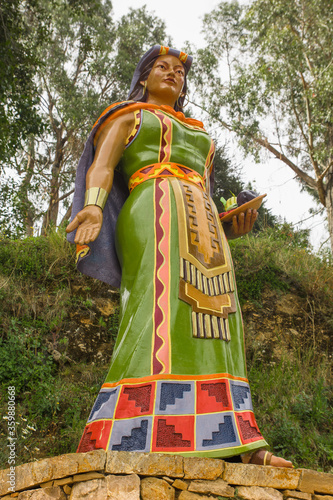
column 64, row 196
column 299, row 121
column 280, row 156
column 67, row 214
column 320, row 186
column 322, row 175
column 264, row 143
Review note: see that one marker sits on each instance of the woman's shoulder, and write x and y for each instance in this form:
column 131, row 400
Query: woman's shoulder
column 117, row 113
column 113, row 110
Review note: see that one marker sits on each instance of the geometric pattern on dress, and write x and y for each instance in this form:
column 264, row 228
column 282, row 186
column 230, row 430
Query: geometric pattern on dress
column 248, row 427
column 136, row 128
column 206, row 282
column 175, row 398
column 165, row 137
column 104, row 405
column 241, row 395
column 161, row 351
column 216, row 431
column 135, row 401
column 131, row 435
column 213, row 396
column 209, row 166
column 204, row 237
column 215, row 286
column 211, row 326
column 185, row 414
column 165, row 169
column 95, row 436
column 174, row 433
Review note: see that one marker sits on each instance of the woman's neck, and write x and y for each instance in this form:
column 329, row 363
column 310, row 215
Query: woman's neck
column 161, row 101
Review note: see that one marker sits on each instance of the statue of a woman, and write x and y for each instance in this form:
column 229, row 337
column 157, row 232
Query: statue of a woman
column 177, row 381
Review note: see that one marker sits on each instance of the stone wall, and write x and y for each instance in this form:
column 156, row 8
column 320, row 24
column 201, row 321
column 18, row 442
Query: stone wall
column 119, row 475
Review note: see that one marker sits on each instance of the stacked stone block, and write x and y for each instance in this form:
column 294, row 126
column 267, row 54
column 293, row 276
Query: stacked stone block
column 120, row 475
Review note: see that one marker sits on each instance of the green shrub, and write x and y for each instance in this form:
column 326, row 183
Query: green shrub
column 293, row 406
column 23, row 359
column 269, row 259
column 37, row 258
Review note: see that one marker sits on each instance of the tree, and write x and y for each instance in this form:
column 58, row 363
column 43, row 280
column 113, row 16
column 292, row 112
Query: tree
column 276, row 56
column 88, row 62
column 18, row 94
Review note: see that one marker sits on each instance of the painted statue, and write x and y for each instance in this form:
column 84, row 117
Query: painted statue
column 145, row 221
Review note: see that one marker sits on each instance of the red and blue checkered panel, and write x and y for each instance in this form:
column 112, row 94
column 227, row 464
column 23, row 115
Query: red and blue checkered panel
column 187, row 415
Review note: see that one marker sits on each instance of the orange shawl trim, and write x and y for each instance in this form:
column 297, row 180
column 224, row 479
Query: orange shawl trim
column 134, row 106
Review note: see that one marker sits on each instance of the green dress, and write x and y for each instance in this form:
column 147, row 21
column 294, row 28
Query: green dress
column 177, row 381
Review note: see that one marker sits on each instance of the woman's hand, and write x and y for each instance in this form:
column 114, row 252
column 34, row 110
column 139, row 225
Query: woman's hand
column 89, row 222
column 241, row 224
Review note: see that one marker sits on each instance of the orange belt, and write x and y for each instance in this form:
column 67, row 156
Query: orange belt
column 158, row 170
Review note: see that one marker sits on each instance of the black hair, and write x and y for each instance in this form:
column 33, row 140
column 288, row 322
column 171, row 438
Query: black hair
column 139, row 95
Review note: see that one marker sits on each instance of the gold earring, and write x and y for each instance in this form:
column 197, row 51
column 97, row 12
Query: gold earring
column 144, row 88
column 184, row 105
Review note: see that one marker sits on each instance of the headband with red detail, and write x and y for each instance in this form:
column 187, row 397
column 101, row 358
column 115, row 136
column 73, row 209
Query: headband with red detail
column 152, row 53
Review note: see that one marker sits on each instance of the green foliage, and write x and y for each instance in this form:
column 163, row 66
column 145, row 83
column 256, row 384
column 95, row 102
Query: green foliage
column 285, row 235
column 25, row 259
column 257, row 263
column 35, row 258
column 294, row 412
column 50, row 415
column 11, row 223
column 24, row 359
column 18, row 43
column 252, row 285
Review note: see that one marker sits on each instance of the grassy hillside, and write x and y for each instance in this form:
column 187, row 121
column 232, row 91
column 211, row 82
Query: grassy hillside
column 57, row 331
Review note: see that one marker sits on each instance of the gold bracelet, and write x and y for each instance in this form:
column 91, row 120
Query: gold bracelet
column 96, row 196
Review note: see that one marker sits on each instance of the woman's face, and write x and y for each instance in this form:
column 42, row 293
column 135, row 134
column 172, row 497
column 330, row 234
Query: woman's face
column 166, row 80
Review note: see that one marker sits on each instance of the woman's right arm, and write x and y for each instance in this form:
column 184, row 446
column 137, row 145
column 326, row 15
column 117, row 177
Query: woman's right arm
column 109, row 149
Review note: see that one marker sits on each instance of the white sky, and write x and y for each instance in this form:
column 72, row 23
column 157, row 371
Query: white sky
column 183, row 19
